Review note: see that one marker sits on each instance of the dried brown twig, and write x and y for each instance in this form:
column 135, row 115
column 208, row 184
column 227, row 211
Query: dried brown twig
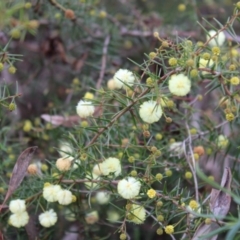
column 104, row 61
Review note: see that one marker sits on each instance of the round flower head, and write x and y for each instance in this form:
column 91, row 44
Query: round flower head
column 102, row 197
column 65, row 149
column 111, row 165
column 123, row 78
column 48, row 218
column 50, row 192
column 17, row 206
column 113, row 216
column 137, row 214
column 151, row 193
column 85, row 109
column 222, row 141
column 91, row 185
column 92, row 217
column 129, row 188
column 64, row 197
column 33, row 169
column 218, row 40
column 176, row 149
column 64, row 164
column 169, row 229
column 88, row 96
column 76, row 164
column 150, row 111
column 97, row 169
column 19, row 219
column 179, row 85
column 193, row 207
column 111, row 84
column 205, row 64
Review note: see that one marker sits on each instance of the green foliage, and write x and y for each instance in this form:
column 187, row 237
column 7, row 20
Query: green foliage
column 156, row 128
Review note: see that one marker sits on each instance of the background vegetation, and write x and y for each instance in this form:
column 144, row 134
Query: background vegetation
column 55, row 53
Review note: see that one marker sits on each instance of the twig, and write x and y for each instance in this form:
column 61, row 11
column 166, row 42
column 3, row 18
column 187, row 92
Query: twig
column 220, row 30
column 136, row 33
column 104, row 61
column 89, row 180
column 195, row 136
column 118, row 115
column 192, row 165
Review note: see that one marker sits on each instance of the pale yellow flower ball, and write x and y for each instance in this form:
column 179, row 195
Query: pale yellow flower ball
column 90, row 184
column 97, row 169
column 194, row 209
column 92, row 217
column 218, row 40
column 111, row 165
column 48, row 218
column 150, row 111
column 63, row 164
column 64, row 197
column 193, row 204
column 129, row 188
column 102, row 197
column 76, row 164
column 123, row 78
column 19, row 219
column 169, row 229
column 50, row 192
column 111, row 84
column 65, row 149
column 222, row 141
column 176, row 149
column 85, row 109
column 151, row 193
column 205, row 64
column 88, row 96
column 179, row 85
column 17, row 206
column 137, row 214
column 113, row 216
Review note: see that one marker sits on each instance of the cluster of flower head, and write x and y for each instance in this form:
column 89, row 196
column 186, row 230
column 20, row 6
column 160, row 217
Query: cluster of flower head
column 137, row 214
column 55, row 193
column 85, row 109
column 110, row 167
column 150, row 111
column 19, row 217
column 123, row 78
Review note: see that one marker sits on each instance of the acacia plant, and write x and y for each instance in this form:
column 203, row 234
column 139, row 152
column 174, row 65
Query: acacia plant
column 149, row 150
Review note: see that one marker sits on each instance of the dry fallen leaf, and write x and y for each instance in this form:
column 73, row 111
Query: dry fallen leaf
column 19, row 171
column 219, row 205
column 220, row 201
column 70, row 121
column 58, row 120
column 204, row 229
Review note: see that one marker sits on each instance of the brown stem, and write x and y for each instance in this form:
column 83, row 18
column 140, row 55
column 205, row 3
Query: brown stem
column 101, row 130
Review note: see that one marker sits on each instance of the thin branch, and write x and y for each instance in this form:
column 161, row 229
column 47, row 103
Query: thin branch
column 192, row 164
column 104, row 61
column 234, row 17
column 118, row 115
